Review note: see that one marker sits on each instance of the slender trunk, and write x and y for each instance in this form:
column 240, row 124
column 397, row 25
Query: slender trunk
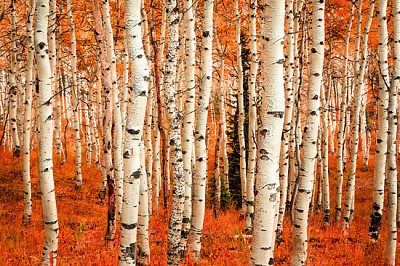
column 13, row 83
column 27, row 116
column 107, row 121
column 307, row 170
column 284, row 156
column 342, row 122
column 242, row 144
column 134, row 128
column 381, row 138
column 117, row 123
column 51, row 229
column 390, row 256
column 188, row 118
column 200, row 176
column 143, row 215
column 75, row 101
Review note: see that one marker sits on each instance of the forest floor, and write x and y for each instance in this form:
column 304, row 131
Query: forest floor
column 82, row 221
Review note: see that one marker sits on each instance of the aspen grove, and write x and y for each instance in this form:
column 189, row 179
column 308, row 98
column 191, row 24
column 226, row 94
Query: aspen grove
column 199, row 132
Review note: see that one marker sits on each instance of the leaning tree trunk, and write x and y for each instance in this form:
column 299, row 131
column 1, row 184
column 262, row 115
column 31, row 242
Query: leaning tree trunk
column 200, row 176
column 359, row 84
column 269, row 135
column 134, row 127
column 51, row 229
column 307, row 169
column 27, row 116
column 381, row 138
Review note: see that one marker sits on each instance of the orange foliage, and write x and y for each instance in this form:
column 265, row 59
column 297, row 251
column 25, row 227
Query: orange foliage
column 82, row 221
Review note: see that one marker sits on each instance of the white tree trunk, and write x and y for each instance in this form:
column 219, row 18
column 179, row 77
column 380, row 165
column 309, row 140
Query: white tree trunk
column 75, row 101
column 381, row 137
column 200, row 176
column 143, row 215
column 390, row 256
column 242, row 144
column 117, row 123
column 306, row 175
column 51, row 229
column 134, row 128
column 284, row 156
column 188, row 117
column 269, row 135
column 27, row 116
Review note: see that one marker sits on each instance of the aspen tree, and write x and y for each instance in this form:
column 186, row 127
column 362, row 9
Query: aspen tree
column 174, row 133
column 13, row 83
column 242, row 144
column 148, row 146
column 27, row 115
column 143, row 214
column 54, row 74
column 51, row 229
column 359, row 70
column 58, row 113
column 107, row 121
column 342, row 121
column 306, row 175
column 297, row 84
column 200, row 176
column 117, row 123
column 391, row 167
column 75, row 101
column 188, row 116
column 269, row 135
column 134, row 127
column 149, row 113
column 381, row 137
column 156, row 124
column 284, row 156
column 324, row 154
column 364, row 132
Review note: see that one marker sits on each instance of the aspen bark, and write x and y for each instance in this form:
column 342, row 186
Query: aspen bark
column 358, row 89
column 134, row 127
column 51, row 229
column 284, row 156
column 174, row 134
column 27, row 115
column 200, row 176
column 117, row 123
column 381, row 138
column 13, row 83
column 107, row 122
column 242, row 144
column 307, row 170
column 143, row 214
column 75, row 101
column 391, row 167
column 188, row 117
column 269, row 135
column 342, row 121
